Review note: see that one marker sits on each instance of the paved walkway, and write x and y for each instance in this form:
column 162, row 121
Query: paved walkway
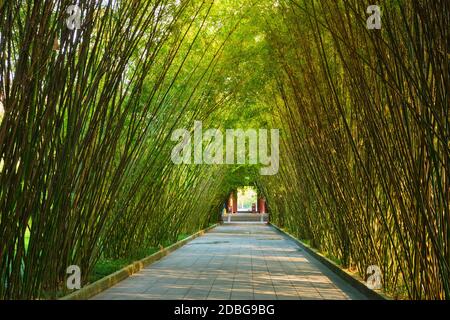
column 235, row 261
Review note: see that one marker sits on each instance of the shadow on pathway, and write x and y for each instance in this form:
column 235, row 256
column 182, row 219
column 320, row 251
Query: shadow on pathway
column 237, row 262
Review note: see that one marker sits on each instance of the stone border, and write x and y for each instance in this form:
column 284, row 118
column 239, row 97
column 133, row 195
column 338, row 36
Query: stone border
column 355, row 281
column 95, row 288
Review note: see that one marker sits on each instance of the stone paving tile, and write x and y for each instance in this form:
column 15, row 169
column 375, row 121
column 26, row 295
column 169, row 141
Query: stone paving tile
column 238, row 261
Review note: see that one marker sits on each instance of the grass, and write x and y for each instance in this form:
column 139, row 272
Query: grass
column 306, row 241
column 182, row 236
column 105, row 267
column 334, row 259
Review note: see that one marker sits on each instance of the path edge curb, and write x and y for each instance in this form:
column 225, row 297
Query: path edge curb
column 354, row 281
column 107, row 282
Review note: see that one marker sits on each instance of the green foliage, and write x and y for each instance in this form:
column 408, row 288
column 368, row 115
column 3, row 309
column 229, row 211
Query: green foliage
column 85, row 141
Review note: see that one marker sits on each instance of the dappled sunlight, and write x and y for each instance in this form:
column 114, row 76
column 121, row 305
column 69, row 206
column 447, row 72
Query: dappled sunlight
column 127, row 126
column 242, row 267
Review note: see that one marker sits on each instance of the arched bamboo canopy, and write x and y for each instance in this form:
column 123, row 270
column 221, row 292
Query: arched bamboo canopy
column 85, row 138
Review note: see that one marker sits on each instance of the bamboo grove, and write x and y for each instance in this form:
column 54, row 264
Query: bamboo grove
column 365, row 172
column 85, row 138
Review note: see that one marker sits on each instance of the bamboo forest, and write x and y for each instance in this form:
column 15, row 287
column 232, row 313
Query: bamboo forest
column 350, row 96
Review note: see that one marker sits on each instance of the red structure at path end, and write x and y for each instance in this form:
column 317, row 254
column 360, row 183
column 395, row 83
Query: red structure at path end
column 232, row 205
